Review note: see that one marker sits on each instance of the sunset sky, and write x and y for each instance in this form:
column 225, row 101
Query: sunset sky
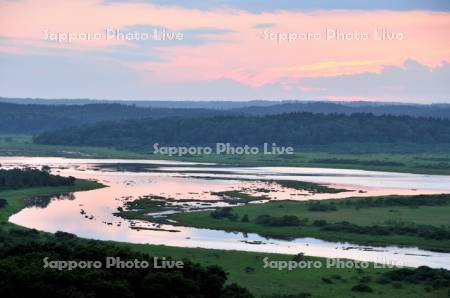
column 233, row 50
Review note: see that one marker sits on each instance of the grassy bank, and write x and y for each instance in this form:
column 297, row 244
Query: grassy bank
column 365, row 225
column 247, row 269
column 22, row 145
column 422, row 160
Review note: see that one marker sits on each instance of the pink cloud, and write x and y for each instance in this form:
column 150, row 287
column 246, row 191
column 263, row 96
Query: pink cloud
column 243, row 54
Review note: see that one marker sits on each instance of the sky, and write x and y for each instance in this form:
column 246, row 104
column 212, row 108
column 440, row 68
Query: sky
column 226, row 50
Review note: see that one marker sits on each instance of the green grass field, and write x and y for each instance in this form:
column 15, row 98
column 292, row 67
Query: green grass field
column 436, row 216
column 427, row 162
column 22, row 145
column 247, row 269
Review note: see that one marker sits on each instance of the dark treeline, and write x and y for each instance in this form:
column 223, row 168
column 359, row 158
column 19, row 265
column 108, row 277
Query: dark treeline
column 22, row 271
column 273, row 221
column 36, row 118
column 433, row 278
column 263, row 107
column 414, row 201
column 20, row 178
column 434, row 110
column 408, row 229
column 295, row 129
column 30, row 119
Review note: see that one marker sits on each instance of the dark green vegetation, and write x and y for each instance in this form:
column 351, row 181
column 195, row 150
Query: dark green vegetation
column 406, row 229
column 295, row 129
column 434, row 110
column 21, row 178
column 22, row 252
column 22, row 273
column 387, row 143
column 149, row 203
column 434, row 279
column 410, row 220
column 29, row 119
column 226, row 212
column 272, row 221
column 308, row 186
column 261, row 107
column 236, row 196
column 412, row 201
column 139, row 208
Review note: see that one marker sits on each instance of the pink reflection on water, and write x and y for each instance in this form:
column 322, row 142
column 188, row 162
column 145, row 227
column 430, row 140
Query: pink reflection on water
column 90, row 213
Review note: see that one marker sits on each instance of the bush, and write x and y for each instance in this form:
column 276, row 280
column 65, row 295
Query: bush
column 319, row 223
column 437, row 278
column 3, row 203
column 65, row 235
column 362, row 288
column 226, row 212
column 235, row 291
column 298, row 257
column 284, row 221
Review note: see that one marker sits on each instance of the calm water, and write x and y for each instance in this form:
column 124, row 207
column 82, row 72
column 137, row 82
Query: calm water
column 89, row 214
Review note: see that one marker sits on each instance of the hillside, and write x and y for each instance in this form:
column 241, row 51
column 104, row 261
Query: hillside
column 295, row 129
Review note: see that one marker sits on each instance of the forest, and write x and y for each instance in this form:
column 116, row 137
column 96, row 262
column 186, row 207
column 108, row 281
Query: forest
column 20, row 178
column 293, row 129
column 38, row 116
column 22, row 272
column 30, row 119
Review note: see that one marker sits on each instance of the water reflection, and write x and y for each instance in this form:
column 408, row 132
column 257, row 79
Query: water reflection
column 90, row 213
column 44, row 201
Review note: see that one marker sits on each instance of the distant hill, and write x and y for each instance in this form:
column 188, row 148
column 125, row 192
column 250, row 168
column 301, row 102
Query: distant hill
column 434, row 110
column 168, row 104
column 295, row 129
column 35, row 118
column 31, row 119
column 261, row 107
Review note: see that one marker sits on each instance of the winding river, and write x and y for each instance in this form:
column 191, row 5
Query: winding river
column 89, row 214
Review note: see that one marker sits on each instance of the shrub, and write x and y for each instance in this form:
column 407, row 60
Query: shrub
column 284, row 221
column 362, row 288
column 298, row 257
column 226, row 212
column 319, row 223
